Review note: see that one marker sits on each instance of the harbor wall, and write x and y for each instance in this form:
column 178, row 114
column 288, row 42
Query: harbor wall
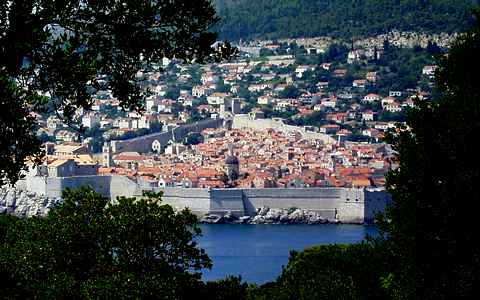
column 347, row 205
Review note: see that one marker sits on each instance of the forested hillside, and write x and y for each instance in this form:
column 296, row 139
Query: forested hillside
column 248, row 19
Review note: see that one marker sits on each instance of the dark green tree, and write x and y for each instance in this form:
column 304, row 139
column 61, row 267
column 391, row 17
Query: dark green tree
column 429, row 243
column 51, row 53
column 433, row 48
column 329, row 272
column 290, row 92
column 194, row 138
column 272, row 19
column 89, row 247
column 155, row 126
column 17, row 135
column 431, row 226
column 230, row 288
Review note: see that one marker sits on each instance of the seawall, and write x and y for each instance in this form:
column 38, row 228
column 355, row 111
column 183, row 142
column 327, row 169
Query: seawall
column 347, row 205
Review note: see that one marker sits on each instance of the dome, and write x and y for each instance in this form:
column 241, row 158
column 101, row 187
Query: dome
column 230, row 160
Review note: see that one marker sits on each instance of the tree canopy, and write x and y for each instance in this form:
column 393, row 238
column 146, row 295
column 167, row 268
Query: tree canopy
column 89, row 247
column 53, row 52
column 431, row 224
column 428, row 248
column 273, row 19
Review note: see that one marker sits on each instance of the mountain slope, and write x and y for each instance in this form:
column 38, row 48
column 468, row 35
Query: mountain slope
column 248, row 19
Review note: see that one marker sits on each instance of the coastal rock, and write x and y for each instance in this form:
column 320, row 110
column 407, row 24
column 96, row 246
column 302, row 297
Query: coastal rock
column 284, row 218
column 211, row 219
column 297, row 216
column 230, row 218
column 263, row 211
column 25, row 204
column 244, row 219
column 258, row 219
column 314, row 218
column 274, row 214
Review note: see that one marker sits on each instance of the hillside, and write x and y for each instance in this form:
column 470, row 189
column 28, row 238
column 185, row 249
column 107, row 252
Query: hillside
column 247, row 19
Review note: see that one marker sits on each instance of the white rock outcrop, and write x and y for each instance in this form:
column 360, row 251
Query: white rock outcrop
column 267, row 215
column 24, row 204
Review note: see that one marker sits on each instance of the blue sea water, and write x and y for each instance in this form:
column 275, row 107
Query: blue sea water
column 257, row 252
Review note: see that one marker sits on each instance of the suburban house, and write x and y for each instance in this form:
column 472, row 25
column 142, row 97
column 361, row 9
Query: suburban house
column 371, row 98
column 359, row 83
column 371, row 76
column 339, row 73
column 367, row 115
column 217, row 98
column 395, row 94
column 429, row 70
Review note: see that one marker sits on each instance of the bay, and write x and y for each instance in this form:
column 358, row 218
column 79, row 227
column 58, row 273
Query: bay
column 258, row 252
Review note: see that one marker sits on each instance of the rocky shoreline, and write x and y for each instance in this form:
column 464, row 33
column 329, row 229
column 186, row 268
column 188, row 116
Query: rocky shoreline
column 266, row 215
column 24, row 204
column 27, row 204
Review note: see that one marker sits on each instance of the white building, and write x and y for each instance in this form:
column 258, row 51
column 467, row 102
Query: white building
column 329, row 102
column 395, row 94
column 355, row 56
column 165, row 106
column 367, row 115
column 151, row 104
column 90, row 120
column 209, row 77
column 264, row 100
column 371, row 98
column 125, row 123
column 199, row 91
column 302, row 69
column 53, row 123
column 429, row 70
column 217, row 98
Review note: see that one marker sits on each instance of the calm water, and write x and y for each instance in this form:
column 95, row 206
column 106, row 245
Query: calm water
column 257, row 252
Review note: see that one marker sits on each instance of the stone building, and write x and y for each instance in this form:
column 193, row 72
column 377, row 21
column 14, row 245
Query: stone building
column 232, row 165
column 107, row 155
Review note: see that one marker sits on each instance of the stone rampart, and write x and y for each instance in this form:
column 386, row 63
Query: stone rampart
column 376, row 201
column 323, row 201
column 143, row 144
column 351, row 206
column 226, row 200
column 343, row 204
column 108, row 186
column 197, row 200
column 244, row 121
column 347, row 205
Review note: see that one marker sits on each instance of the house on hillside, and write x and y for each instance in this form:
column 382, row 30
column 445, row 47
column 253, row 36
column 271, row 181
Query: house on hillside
column 371, row 98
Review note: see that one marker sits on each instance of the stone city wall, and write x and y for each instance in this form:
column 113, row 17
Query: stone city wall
column 375, row 202
column 343, row 204
column 143, row 144
column 244, row 121
column 108, row 186
column 347, row 205
column 197, row 200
